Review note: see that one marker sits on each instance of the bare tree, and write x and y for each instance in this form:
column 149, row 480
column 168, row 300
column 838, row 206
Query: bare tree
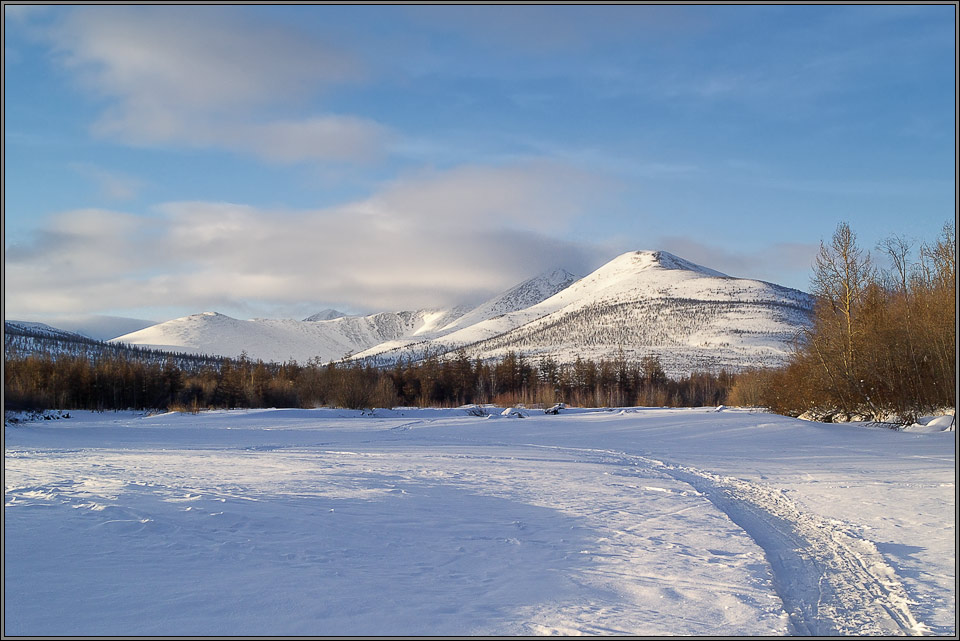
column 898, row 249
column 842, row 273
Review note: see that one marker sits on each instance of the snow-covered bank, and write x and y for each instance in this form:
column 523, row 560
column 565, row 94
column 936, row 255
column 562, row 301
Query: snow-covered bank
column 407, row 521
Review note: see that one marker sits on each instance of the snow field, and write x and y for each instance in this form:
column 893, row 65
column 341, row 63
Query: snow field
column 422, row 522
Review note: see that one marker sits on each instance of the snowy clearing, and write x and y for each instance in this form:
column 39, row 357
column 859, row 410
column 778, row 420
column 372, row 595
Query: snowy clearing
column 435, row 522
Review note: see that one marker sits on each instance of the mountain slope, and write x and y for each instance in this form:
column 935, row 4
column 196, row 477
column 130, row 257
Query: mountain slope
column 330, row 335
column 522, row 296
column 23, row 339
column 278, row 340
column 25, row 328
column 645, row 303
column 655, row 303
column 326, row 314
column 639, row 304
column 494, row 316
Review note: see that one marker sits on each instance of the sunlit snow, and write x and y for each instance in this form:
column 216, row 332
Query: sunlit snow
column 438, row 522
column 642, row 303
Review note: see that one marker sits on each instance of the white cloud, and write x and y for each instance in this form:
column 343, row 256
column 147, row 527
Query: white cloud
column 205, row 77
column 535, row 195
column 199, row 57
column 429, row 240
column 315, row 138
column 113, row 184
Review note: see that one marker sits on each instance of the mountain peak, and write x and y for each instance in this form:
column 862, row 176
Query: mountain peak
column 555, row 276
column 326, row 314
column 659, row 259
column 526, row 294
column 533, row 290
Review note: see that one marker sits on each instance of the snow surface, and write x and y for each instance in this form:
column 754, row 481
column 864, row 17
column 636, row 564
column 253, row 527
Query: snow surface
column 944, row 423
column 711, row 521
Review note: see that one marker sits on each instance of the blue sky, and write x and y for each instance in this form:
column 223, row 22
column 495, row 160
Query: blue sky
column 271, row 161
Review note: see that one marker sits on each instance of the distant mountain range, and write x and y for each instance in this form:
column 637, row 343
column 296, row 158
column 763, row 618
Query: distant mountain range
column 641, row 303
column 332, row 335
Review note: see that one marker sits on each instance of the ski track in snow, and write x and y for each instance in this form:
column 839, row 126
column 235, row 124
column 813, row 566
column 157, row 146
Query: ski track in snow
column 514, row 525
column 483, row 535
column 832, row 581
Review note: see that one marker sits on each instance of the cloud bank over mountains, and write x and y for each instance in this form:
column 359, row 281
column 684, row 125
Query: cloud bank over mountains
column 273, row 160
column 424, row 240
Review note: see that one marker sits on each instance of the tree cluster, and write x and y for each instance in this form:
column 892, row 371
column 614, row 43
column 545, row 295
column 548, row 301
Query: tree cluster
column 514, row 379
column 882, row 345
column 108, row 382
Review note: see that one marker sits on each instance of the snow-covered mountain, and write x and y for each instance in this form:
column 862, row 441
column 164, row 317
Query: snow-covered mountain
column 641, row 303
column 278, row 339
column 330, row 337
column 654, row 303
column 22, row 339
column 645, row 303
column 482, row 318
column 327, row 314
column 524, row 295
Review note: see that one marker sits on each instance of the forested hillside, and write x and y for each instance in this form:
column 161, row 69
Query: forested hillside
column 21, row 340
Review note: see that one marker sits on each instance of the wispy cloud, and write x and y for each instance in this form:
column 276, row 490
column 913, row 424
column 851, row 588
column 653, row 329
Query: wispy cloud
column 429, row 239
column 328, row 137
column 23, row 11
column 113, row 185
column 549, row 29
column 532, row 195
column 205, row 77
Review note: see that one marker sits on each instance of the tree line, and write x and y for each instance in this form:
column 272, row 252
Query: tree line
column 882, row 345
column 114, row 381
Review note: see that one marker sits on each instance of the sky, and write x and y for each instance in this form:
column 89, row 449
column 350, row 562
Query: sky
column 273, row 161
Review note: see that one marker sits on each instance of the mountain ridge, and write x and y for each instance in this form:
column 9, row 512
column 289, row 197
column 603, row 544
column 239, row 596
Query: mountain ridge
column 644, row 303
column 325, row 314
column 639, row 303
column 328, row 339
